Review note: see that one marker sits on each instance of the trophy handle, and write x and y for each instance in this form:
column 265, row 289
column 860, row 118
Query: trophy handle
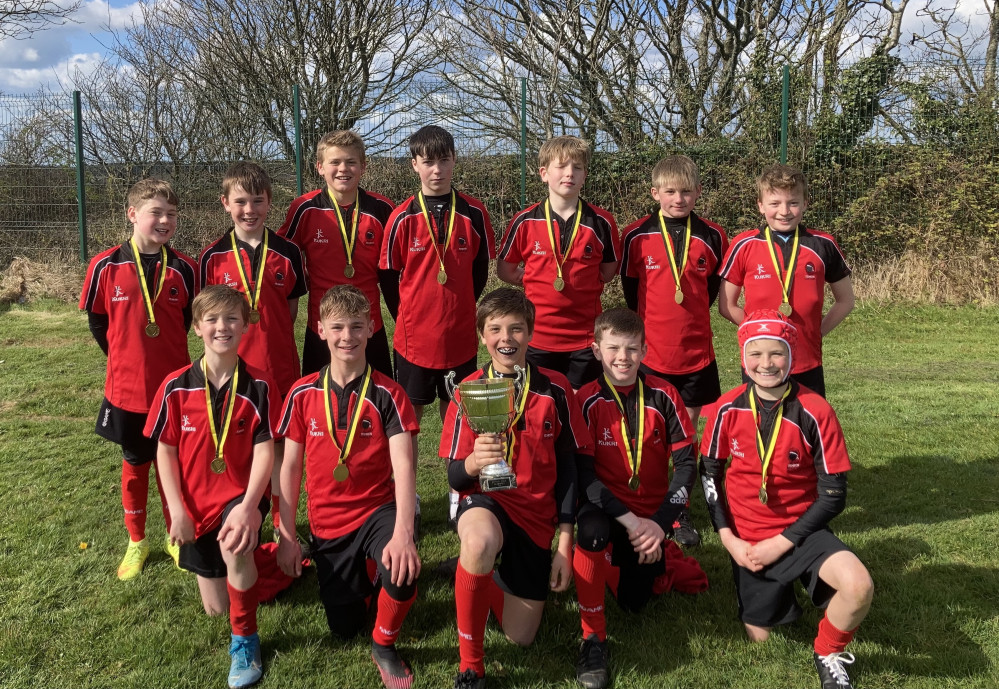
column 452, row 389
column 518, row 382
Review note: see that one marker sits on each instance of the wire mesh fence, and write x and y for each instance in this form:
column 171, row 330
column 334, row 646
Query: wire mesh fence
column 897, row 155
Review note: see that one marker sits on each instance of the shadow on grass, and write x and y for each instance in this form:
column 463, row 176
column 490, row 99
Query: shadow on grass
column 919, row 489
column 930, row 619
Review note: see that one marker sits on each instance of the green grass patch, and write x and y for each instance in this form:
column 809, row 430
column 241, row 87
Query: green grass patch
column 915, row 390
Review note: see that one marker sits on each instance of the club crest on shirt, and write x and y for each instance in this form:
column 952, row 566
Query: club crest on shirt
column 462, row 244
column 809, row 271
column 314, row 429
column 369, row 238
column 702, row 264
column 365, row 427
column 241, row 426
column 793, row 460
column 548, row 429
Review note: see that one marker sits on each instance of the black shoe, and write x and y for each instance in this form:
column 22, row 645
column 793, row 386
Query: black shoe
column 591, row 666
column 832, row 670
column 469, row 680
column 395, row 672
column 684, row 532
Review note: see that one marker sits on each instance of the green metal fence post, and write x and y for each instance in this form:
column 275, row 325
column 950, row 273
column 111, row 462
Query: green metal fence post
column 523, row 142
column 785, row 97
column 81, row 187
column 296, row 103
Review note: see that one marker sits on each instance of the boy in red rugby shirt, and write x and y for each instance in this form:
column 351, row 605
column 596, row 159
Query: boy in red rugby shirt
column 638, row 422
column 339, row 229
column 213, row 421
column 569, row 249
column 784, row 266
column 439, row 244
column 138, row 301
column 669, row 275
column 773, row 502
column 268, row 271
column 355, row 427
column 514, row 526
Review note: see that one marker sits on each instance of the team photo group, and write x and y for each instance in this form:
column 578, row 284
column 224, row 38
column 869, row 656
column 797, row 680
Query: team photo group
column 571, row 449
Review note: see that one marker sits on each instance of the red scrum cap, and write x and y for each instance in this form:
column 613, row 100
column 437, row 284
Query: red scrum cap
column 767, row 324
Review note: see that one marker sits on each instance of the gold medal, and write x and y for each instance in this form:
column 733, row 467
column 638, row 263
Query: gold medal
column 340, row 473
column 785, row 309
column 348, row 271
column 218, row 465
column 678, row 297
column 634, row 482
column 763, row 495
column 254, row 316
column 559, row 284
column 442, row 276
column 152, row 330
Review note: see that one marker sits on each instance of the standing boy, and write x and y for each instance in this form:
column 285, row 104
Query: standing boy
column 339, row 229
column 772, row 504
column 439, row 244
column 784, row 266
column 138, row 302
column 569, row 249
column 213, row 423
column 268, row 271
column 669, row 275
column 513, row 527
column 355, row 428
column 629, row 503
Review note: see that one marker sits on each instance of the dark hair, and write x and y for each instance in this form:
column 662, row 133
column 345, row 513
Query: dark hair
column 250, row 176
column 431, row 141
column 621, row 321
column 504, row 302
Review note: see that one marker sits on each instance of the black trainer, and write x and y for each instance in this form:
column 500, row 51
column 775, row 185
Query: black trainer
column 684, row 532
column 396, row 672
column 591, row 666
column 469, row 680
column 832, row 670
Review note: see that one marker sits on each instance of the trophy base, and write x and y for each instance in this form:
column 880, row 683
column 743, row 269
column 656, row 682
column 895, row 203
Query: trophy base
column 501, row 482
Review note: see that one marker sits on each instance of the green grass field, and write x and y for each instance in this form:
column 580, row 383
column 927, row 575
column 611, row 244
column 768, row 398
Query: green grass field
column 917, row 392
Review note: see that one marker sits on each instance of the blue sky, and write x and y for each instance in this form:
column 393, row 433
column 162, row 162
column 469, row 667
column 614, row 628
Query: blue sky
column 50, row 55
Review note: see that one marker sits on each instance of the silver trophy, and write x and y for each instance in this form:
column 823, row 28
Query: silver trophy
column 489, row 406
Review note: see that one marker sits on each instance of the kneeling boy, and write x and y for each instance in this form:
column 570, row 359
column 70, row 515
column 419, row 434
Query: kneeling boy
column 212, row 421
column 541, row 448
column 355, row 427
column 773, row 503
column 628, row 502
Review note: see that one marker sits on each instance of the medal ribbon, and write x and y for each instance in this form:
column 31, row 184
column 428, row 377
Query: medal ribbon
column 677, row 272
column 521, row 405
column 560, row 255
column 146, row 300
column 348, row 241
column 227, row 406
column 788, row 276
column 767, row 455
column 432, row 226
column 356, row 417
column 633, row 447
column 252, row 294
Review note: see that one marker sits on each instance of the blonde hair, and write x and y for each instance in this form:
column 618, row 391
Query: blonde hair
column 251, row 177
column 564, row 149
column 782, row 177
column 678, row 170
column 148, row 189
column 218, row 299
column 344, row 301
column 341, row 138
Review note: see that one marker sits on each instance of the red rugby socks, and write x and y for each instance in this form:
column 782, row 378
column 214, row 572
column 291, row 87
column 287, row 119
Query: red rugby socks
column 242, row 610
column 134, row 494
column 830, row 639
column 588, row 569
column 471, row 599
column 388, row 621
